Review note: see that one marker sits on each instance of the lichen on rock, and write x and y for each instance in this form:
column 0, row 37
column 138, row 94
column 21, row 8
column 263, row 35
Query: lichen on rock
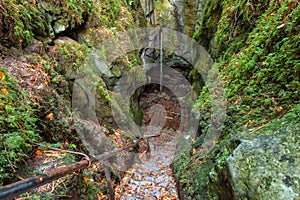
column 264, row 164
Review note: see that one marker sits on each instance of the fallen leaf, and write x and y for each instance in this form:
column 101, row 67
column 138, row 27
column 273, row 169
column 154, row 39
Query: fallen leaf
column 293, row 5
column 37, row 152
column 50, row 116
column 32, row 80
column 194, row 151
column 4, row 91
column 86, row 179
column 2, row 75
column 279, row 108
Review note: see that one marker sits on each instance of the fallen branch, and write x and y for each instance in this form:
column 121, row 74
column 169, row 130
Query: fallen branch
column 15, row 189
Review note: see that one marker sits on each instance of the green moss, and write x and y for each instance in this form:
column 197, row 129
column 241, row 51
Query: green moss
column 21, row 21
column 70, row 55
column 259, row 64
column 17, row 122
column 261, row 79
column 211, row 15
column 263, row 165
column 103, row 106
column 237, row 20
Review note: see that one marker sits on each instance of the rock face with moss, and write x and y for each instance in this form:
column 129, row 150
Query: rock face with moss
column 264, row 166
column 45, row 45
column 254, row 45
column 267, row 166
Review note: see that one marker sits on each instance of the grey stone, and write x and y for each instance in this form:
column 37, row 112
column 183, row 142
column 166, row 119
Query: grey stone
column 100, row 64
column 265, row 165
column 60, row 26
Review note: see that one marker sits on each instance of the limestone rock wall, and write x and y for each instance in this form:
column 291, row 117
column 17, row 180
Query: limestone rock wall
column 179, row 15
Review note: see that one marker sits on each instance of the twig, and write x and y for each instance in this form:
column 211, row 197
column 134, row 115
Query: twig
column 4, row 10
column 86, row 157
column 251, row 132
column 10, row 163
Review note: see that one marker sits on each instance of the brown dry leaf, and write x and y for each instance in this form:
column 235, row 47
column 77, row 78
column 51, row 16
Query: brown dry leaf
column 166, row 194
column 129, row 188
column 194, row 151
column 101, row 196
column 32, row 80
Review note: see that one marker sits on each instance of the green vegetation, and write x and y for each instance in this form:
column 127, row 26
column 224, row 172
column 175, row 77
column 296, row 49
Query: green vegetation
column 46, row 115
column 70, row 56
column 17, row 122
column 256, row 46
column 21, row 21
column 260, row 68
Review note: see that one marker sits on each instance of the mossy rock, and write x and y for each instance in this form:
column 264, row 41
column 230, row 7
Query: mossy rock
column 94, row 36
column 70, row 55
column 265, row 165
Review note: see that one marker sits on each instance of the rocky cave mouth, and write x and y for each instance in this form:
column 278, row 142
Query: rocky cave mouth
column 164, row 120
column 152, row 100
column 155, row 102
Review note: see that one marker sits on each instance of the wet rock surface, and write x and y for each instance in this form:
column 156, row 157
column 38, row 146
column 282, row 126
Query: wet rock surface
column 153, row 177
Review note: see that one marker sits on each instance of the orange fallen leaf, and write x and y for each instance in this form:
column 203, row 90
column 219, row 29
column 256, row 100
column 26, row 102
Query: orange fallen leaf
column 2, row 75
column 50, row 116
column 37, row 152
column 4, row 91
column 279, row 108
column 86, row 179
column 32, row 80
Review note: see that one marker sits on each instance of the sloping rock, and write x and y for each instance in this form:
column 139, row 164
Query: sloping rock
column 265, row 165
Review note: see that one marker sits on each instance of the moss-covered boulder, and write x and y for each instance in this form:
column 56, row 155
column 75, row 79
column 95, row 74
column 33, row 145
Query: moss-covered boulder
column 22, row 21
column 265, row 165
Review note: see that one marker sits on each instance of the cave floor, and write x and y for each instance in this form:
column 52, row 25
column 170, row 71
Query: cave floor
column 153, row 178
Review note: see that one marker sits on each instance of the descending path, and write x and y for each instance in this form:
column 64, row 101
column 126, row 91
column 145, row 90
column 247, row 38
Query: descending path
column 153, row 177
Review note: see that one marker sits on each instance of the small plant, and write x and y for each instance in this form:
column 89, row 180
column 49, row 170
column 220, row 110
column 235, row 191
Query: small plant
column 17, row 122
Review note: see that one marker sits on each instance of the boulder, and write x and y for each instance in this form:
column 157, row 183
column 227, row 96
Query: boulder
column 265, row 165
